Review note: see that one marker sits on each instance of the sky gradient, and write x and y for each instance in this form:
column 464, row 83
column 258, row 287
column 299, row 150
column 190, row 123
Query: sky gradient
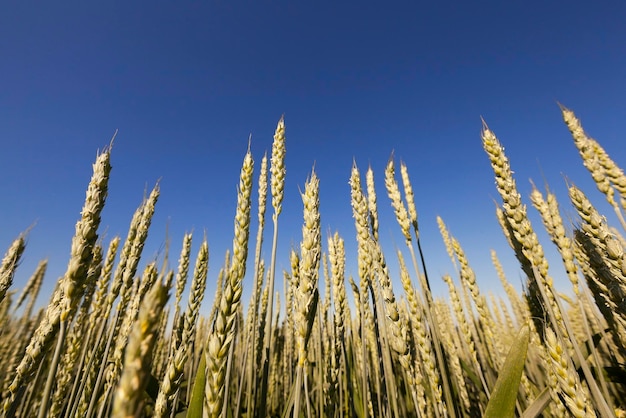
column 186, row 83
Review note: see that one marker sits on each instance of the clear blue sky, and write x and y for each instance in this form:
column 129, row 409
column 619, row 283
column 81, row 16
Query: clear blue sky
column 187, row 82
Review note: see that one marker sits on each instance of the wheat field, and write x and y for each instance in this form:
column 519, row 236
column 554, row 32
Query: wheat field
column 114, row 341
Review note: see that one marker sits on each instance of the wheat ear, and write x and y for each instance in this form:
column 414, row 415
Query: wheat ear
column 176, row 365
column 129, row 396
column 70, row 290
column 221, row 337
column 9, row 264
column 305, row 292
column 277, row 185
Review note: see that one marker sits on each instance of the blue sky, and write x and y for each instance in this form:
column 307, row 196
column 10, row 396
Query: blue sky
column 187, row 82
